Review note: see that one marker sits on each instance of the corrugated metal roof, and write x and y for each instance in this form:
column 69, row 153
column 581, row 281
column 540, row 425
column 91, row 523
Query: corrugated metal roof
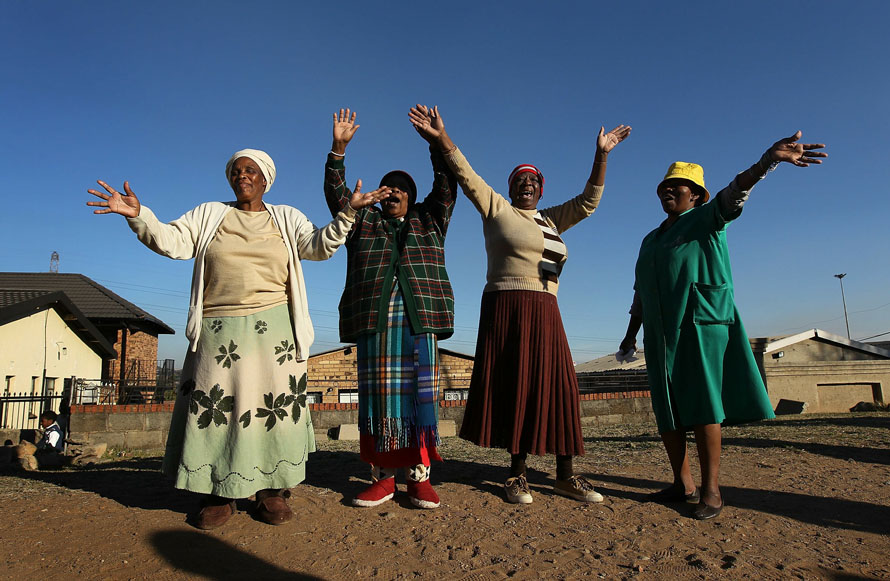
column 609, row 363
column 96, row 302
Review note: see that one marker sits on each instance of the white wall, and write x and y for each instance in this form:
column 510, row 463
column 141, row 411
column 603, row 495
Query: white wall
column 22, row 353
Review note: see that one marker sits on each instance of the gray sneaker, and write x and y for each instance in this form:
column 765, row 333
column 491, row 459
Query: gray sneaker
column 517, row 490
column 579, row 488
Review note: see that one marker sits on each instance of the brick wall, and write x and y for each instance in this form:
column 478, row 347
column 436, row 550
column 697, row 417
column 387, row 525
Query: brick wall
column 141, row 347
column 332, row 371
column 146, row 426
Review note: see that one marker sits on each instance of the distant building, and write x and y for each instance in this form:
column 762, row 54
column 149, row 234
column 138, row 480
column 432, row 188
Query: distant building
column 131, row 331
column 816, row 371
column 45, row 341
column 333, row 375
column 822, row 371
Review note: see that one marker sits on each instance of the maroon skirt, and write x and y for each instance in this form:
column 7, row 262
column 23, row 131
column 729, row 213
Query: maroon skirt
column 524, row 392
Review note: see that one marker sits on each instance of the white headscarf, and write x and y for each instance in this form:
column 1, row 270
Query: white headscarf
column 262, row 159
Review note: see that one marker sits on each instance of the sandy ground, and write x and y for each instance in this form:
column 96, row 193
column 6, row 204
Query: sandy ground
column 806, row 499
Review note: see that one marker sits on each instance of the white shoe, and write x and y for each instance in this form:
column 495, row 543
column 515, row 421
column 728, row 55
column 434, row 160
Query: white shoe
column 579, row 488
column 517, row 490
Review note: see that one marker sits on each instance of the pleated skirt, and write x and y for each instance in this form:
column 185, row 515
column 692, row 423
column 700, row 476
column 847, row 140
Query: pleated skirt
column 524, row 391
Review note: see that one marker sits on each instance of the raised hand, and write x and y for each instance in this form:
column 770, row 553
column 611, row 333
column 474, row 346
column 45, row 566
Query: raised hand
column 114, row 202
column 606, row 142
column 427, row 122
column 361, row 199
column 800, row 154
column 344, row 129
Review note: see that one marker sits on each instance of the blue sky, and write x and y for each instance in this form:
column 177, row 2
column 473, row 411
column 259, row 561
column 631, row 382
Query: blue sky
column 162, row 93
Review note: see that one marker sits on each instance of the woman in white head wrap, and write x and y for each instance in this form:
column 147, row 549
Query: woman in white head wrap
column 240, row 424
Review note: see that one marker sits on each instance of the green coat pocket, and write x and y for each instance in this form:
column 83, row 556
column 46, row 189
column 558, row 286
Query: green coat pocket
column 713, row 304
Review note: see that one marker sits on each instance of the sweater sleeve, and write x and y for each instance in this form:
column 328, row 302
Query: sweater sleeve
column 569, row 213
column 440, row 201
column 486, row 200
column 320, row 243
column 336, row 193
column 177, row 240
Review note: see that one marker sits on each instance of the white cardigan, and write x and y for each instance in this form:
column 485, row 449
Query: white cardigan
column 190, row 235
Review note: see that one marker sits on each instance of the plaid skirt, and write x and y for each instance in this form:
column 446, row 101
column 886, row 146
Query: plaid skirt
column 398, row 384
column 240, row 423
column 524, row 392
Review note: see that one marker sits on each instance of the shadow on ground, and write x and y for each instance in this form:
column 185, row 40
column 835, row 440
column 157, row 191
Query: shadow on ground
column 863, row 454
column 818, row 510
column 135, row 483
column 211, row 558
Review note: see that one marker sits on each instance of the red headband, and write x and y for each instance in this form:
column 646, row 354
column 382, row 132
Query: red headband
column 525, row 168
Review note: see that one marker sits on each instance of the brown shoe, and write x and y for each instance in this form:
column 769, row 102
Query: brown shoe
column 271, row 506
column 215, row 513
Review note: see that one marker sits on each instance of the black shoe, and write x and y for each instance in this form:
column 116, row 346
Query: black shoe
column 674, row 494
column 705, row 512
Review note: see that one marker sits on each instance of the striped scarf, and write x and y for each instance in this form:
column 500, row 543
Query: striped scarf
column 398, row 382
column 554, row 255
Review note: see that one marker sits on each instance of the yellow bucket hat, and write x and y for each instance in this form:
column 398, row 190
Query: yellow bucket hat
column 691, row 172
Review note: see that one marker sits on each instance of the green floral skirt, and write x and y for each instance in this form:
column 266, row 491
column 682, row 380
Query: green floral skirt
column 240, row 423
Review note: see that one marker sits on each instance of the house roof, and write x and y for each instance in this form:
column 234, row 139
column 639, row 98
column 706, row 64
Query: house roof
column 770, row 344
column 15, row 305
column 609, row 363
column 100, row 305
column 758, row 345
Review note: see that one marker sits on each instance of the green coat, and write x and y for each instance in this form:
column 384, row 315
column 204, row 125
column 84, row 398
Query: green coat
column 700, row 365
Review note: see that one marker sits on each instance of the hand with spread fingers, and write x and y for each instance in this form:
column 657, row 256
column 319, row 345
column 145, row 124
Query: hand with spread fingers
column 429, row 124
column 606, row 142
column 427, row 121
column 114, row 202
column 360, row 199
column 799, row 154
column 344, row 130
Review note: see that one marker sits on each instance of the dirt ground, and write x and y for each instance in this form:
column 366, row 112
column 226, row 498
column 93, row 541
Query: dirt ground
column 806, row 499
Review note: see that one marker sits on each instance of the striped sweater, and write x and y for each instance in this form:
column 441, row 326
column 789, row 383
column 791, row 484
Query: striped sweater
column 380, row 250
column 524, row 249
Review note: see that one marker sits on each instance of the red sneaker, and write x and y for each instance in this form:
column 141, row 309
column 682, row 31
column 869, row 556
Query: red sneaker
column 378, row 493
column 422, row 494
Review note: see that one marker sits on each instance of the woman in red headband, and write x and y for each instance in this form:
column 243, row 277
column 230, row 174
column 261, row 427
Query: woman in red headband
column 524, row 391
column 701, row 369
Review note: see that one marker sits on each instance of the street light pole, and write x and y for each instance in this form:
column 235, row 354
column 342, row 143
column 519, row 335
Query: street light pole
column 840, row 277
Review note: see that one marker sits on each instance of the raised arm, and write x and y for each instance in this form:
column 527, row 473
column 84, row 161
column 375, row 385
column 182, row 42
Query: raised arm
column 788, row 150
column 568, row 214
column 440, row 202
column 175, row 240
column 430, row 125
column 605, row 143
column 337, row 195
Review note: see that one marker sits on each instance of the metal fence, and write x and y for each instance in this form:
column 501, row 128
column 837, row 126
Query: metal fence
column 613, row 381
column 145, row 382
column 21, row 411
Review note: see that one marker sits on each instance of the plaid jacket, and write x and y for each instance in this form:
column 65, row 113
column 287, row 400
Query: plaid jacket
column 379, row 250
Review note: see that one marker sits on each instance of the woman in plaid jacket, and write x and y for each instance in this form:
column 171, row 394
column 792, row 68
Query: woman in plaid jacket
column 396, row 304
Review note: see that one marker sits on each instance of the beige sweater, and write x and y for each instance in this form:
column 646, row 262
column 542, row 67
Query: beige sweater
column 513, row 240
column 190, row 235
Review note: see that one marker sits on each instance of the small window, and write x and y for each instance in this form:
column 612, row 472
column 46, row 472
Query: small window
column 313, row 397
column 456, row 394
column 348, row 396
column 10, row 383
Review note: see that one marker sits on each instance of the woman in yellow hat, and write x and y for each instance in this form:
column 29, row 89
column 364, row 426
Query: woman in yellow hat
column 701, row 369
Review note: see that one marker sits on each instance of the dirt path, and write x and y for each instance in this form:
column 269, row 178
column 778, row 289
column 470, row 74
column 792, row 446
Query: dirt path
column 805, row 499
